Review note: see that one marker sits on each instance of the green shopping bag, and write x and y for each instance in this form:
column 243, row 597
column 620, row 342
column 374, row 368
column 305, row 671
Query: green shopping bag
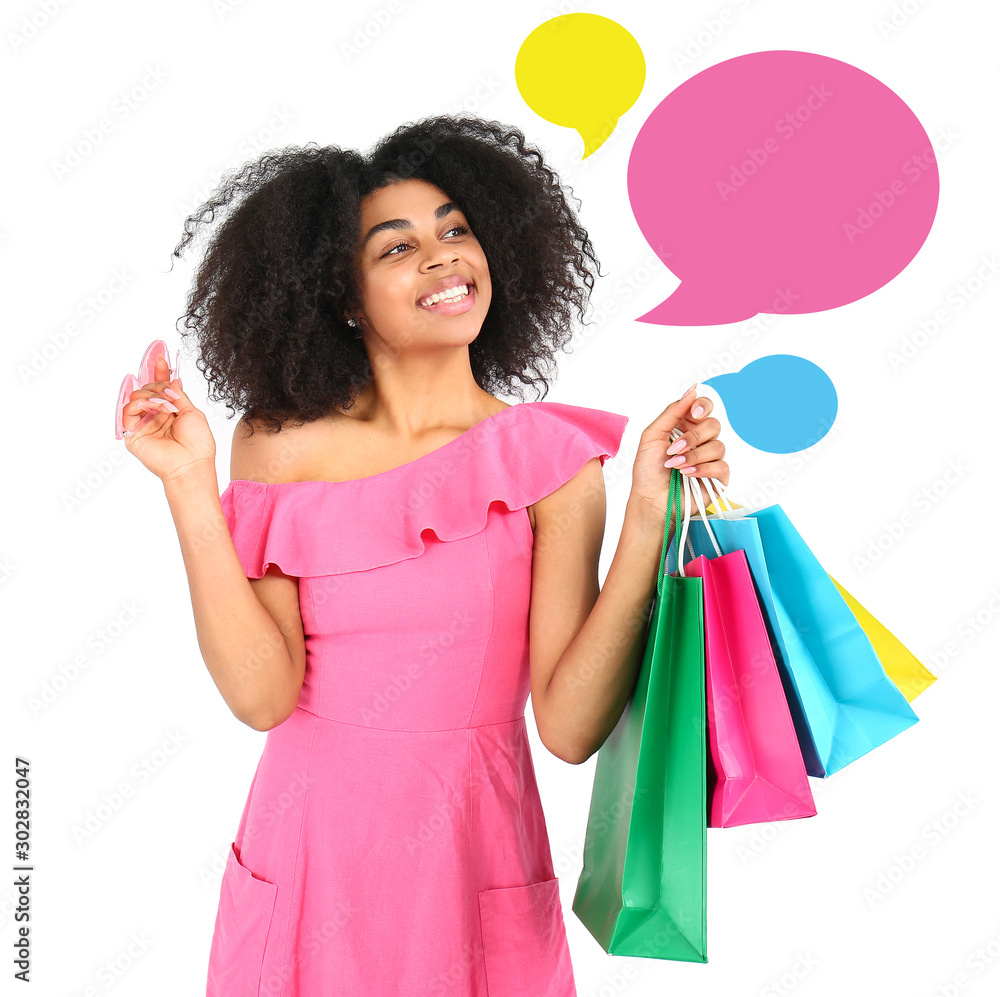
column 642, row 890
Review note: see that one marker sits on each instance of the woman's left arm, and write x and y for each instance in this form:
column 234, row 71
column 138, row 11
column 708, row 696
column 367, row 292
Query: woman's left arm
column 586, row 641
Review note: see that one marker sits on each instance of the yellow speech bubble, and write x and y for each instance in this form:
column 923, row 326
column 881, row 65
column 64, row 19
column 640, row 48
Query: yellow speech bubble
column 582, row 71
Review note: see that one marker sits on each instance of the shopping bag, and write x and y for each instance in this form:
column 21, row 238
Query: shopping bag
column 900, row 664
column 850, row 704
column 642, row 889
column 755, row 772
column 744, row 534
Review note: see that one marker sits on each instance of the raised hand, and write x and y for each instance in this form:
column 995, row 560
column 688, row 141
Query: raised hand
column 700, row 450
column 176, row 439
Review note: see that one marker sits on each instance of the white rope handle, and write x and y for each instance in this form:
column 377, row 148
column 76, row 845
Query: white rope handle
column 722, row 495
column 694, row 491
column 717, row 489
column 688, row 487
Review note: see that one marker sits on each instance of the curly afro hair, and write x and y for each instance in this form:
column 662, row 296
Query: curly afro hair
column 270, row 298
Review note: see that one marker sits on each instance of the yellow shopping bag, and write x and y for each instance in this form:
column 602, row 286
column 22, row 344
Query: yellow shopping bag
column 905, row 671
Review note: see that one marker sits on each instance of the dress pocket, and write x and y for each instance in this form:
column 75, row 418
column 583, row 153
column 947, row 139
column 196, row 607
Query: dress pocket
column 524, row 941
column 246, row 904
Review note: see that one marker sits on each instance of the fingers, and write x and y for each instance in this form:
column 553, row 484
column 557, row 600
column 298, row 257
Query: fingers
column 134, row 417
column 692, row 411
column 162, row 370
column 697, row 452
column 160, row 395
column 718, row 469
column 697, row 456
column 150, row 400
column 707, row 429
column 673, row 413
column 153, row 401
column 682, row 415
column 700, row 408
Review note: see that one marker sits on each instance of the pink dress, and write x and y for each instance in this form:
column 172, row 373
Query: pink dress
column 393, row 840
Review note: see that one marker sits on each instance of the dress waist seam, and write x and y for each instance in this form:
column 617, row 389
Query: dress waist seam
column 410, row 730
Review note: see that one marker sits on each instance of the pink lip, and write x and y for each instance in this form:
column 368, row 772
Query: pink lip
column 452, row 307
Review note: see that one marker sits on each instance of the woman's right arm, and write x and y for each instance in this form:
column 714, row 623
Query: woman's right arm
column 249, row 630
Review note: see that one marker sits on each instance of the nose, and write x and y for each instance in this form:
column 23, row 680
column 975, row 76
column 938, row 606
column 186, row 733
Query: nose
column 442, row 256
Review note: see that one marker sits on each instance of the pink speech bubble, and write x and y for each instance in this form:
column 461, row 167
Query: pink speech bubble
column 780, row 181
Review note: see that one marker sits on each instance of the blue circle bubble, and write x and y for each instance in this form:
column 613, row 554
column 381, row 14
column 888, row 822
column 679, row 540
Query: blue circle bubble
column 779, row 404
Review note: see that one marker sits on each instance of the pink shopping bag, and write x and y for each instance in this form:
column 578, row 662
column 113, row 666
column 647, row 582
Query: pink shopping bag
column 755, row 768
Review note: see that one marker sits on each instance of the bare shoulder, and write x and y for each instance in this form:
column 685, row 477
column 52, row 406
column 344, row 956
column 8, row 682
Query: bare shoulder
column 267, row 456
column 337, row 447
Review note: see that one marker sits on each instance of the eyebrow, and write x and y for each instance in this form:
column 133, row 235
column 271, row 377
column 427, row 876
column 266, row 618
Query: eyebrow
column 397, row 223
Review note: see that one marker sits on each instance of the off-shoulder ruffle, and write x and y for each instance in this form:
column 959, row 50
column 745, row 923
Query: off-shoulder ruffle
column 515, row 457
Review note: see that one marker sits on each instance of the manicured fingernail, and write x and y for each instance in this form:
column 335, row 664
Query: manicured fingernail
column 170, row 393
column 698, row 411
column 677, row 446
column 688, row 470
column 169, row 406
column 675, row 461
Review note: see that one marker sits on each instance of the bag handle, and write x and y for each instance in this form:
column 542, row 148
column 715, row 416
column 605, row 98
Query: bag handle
column 694, row 493
column 685, row 520
column 694, row 497
column 675, row 434
column 722, row 495
column 673, row 497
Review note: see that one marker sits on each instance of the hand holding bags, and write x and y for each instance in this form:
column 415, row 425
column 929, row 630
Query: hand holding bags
column 760, row 640
column 642, row 890
column 756, row 772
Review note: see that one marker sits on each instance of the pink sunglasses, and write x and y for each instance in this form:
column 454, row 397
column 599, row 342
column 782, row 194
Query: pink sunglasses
column 147, row 374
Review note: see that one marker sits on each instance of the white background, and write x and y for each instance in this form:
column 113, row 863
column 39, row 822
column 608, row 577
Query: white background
column 87, row 531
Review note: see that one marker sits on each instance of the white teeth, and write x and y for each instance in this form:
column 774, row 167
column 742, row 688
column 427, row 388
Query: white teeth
column 451, row 294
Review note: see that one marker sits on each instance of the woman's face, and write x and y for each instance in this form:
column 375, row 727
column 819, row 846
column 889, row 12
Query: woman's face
column 427, row 241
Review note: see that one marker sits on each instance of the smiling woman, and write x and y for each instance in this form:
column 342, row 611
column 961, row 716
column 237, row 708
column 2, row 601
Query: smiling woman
column 369, row 590
column 304, row 227
column 439, row 268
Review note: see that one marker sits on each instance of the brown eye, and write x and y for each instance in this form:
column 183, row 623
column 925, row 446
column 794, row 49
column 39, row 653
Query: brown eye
column 462, row 229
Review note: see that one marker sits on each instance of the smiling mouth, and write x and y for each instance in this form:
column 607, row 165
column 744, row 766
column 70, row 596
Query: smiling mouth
column 445, row 296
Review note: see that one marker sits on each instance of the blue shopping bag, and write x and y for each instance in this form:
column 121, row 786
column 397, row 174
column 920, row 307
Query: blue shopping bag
column 843, row 704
